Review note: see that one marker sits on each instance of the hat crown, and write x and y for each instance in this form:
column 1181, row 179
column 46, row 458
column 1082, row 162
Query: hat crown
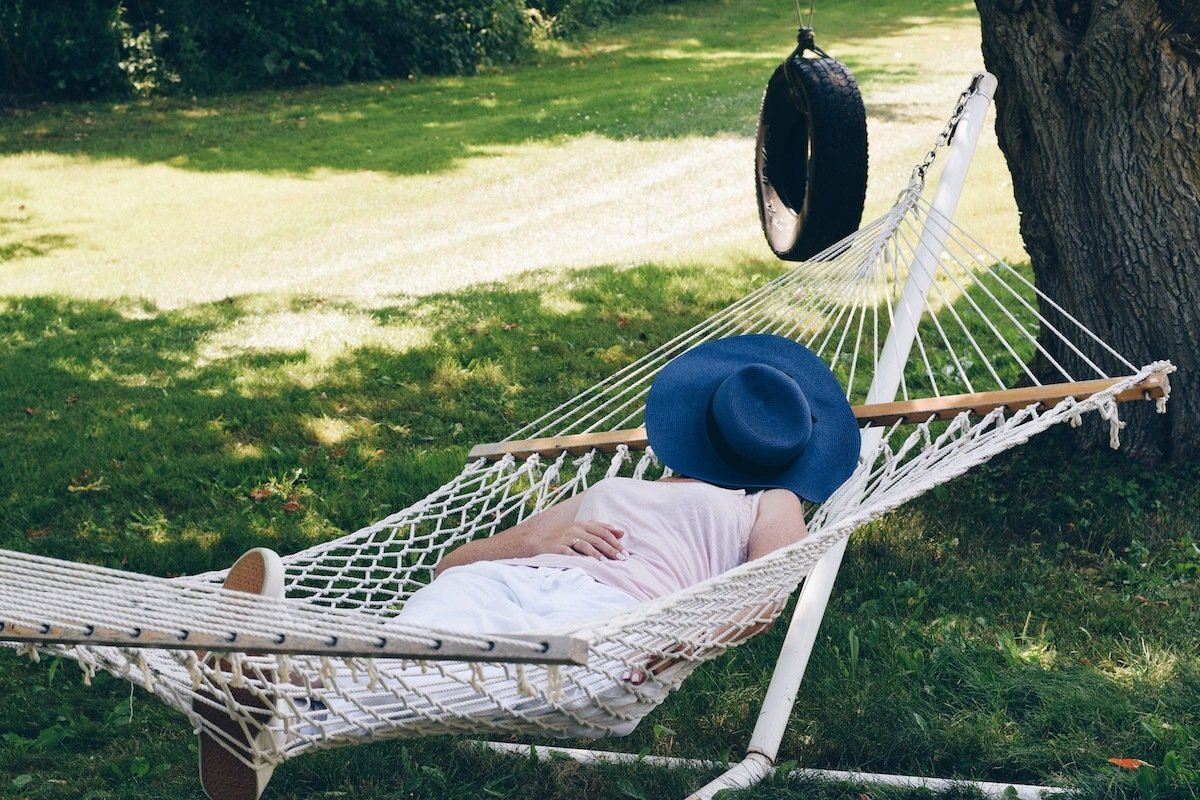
column 761, row 417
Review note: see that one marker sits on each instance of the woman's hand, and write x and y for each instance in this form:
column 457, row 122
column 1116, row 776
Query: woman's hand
column 554, row 530
column 598, row 540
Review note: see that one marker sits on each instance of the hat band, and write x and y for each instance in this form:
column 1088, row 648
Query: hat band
column 730, row 454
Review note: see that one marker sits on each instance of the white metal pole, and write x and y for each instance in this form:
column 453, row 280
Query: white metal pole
column 990, row 789
column 814, row 596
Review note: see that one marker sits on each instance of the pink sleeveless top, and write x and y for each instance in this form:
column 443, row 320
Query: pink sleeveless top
column 677, row 533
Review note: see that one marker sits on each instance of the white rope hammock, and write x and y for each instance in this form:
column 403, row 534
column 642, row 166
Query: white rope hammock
column 362, row 677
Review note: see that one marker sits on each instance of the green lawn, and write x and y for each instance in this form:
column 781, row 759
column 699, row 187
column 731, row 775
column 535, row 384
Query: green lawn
column 198, row 298
column 633, row 148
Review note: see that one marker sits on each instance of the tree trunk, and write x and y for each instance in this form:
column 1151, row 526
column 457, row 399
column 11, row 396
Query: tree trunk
column 1098, row 111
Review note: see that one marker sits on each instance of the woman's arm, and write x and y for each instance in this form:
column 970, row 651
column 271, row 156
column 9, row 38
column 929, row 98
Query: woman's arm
column 554, row 530
column 780, row 522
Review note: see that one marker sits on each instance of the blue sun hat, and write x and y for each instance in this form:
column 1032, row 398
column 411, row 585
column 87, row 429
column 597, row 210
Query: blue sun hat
column 753, row 412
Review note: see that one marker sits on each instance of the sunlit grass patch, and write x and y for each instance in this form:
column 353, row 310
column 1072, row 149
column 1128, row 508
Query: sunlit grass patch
column 633, row 147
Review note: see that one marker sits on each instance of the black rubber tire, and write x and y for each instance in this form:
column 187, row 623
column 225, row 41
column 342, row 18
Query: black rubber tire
column 811, row 157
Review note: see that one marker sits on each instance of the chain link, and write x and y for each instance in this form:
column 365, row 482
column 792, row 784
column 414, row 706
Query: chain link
column 919, row 172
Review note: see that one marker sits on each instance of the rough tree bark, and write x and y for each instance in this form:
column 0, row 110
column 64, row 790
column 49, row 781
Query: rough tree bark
column 1098, row 115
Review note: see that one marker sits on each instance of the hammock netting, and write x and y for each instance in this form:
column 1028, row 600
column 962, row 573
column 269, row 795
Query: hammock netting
column 982, row 325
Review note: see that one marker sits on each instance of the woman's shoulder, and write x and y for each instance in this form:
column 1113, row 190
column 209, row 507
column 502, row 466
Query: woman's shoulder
column 780, row 504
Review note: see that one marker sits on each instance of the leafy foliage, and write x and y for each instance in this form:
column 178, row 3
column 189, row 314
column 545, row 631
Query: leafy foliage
column 572, row 17
column 96, row 48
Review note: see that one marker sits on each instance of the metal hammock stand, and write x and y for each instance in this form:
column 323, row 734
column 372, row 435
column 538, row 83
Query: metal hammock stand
column 929, row 334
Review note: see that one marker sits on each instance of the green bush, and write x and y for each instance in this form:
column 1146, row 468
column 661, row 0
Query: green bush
column 574, row 16
column 91, row 48
column 63, row 49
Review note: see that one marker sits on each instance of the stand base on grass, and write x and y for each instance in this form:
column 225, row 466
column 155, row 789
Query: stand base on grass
column 756, row 767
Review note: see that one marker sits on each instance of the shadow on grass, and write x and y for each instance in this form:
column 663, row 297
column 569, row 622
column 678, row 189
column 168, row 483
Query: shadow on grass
column 134, row 438
column 16, row 243
column 697, row 70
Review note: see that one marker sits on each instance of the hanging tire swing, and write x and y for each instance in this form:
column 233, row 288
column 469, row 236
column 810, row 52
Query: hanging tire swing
column 811, row 153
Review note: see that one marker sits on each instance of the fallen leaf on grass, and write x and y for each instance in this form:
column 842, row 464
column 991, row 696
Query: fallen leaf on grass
column 1128, row 763
column 72, row 399
column 31, row 410
column 292, row 505
column 261, row 493
column 83, row 484
column 37, row 533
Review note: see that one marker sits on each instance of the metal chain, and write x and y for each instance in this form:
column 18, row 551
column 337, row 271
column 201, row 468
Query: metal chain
column 943, row 138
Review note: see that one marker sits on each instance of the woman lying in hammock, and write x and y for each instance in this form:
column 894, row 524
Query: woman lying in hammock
column 756, row 424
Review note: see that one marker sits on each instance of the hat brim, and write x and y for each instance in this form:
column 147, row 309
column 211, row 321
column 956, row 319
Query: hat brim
column 677, row 417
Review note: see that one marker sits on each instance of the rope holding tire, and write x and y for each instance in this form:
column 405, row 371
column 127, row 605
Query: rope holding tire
column 811, row 154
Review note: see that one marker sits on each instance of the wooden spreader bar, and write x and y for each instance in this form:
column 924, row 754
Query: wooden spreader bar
column 547, row 650
column 907, row 411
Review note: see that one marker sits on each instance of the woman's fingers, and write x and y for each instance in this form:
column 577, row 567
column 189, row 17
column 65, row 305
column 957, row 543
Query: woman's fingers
column 595, row 539
column 608, row 534
column 604, row 546
column 586, row 547
column 601, row 528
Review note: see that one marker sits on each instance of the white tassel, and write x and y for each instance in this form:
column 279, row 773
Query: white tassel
column 372, row 675
column 1160, row 405
column 284, row 668
column 194, row 672
column 147, row 675
column 523, row 687
column 235, row 664
column 328, row 673
column 1108, row 411
column 618, row 459
column 554, row 683
column 1074, row 415
column 477, row 677
column 89, row 670
column 644, row 463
